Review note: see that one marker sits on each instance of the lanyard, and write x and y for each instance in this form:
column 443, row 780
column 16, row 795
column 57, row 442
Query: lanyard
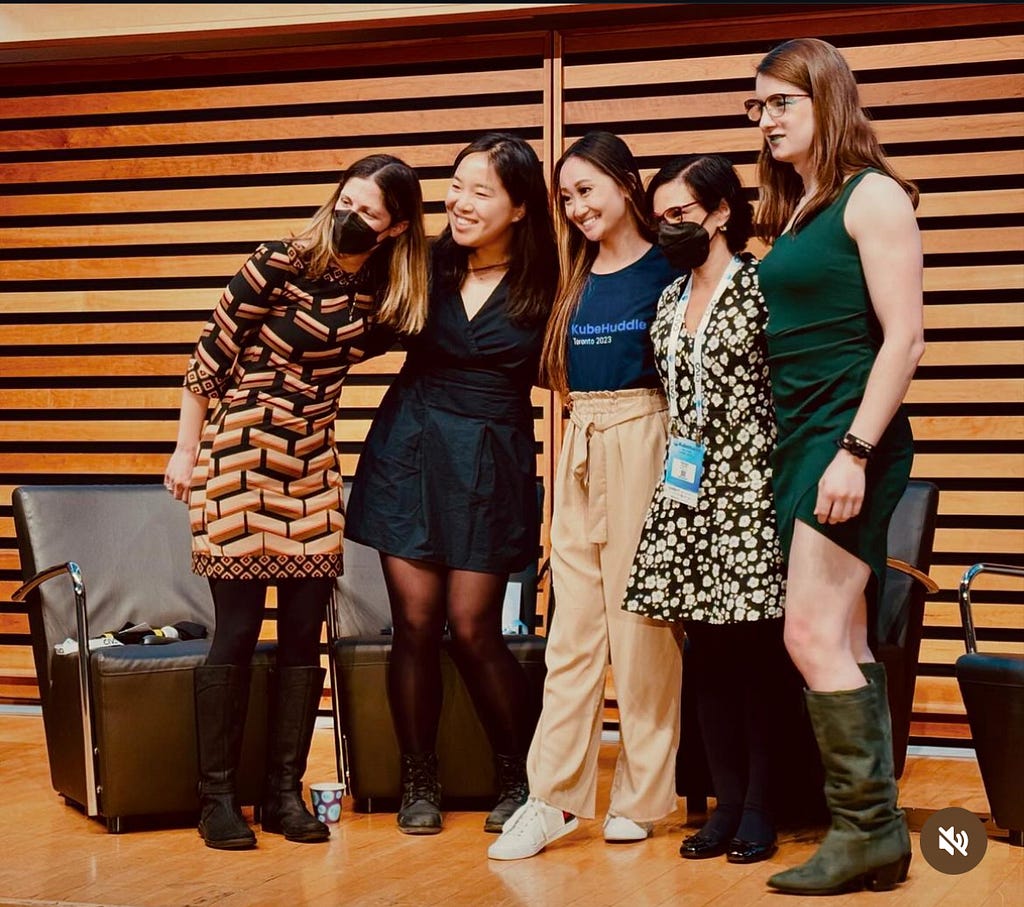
column 697, row 357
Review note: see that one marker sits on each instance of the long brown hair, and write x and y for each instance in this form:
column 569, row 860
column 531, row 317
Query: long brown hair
column 844, row 140
column 399, row 265
column 576, row 254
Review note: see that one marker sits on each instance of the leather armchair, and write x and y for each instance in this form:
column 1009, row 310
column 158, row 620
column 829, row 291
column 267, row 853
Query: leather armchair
column 992, row 686
column 120, row 721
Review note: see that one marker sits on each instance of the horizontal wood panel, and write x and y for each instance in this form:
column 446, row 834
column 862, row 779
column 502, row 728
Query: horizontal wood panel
column 273, row 128
column 989, row 277
column 975, row 315
column 435, row 154
column 968, row 428
column 121, row 464
column 996, row 503
column 167, row 365
column 971, row 203
column 956, row 466
column 992, row 315
column 738, row 66
column 745, row 138
column 914, row 167
column 270, row 94
column 1009, row 466
column 108, row 300
column 947, row 651
column 974, row 352
column 253, row 231
column 991, row 541
column 730, row 103
column 205, row 199
column 965, row 390
column 938, row 695
column 945, row 614
column 1002, row 239
column 126, row 399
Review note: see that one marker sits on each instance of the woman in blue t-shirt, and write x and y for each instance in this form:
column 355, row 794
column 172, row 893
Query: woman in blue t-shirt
column 598, row 356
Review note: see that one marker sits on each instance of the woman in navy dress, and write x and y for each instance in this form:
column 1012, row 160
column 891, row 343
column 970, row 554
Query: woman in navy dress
column 445, row 489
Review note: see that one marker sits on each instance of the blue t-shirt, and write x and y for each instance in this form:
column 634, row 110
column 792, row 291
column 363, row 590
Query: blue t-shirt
column 609, row 336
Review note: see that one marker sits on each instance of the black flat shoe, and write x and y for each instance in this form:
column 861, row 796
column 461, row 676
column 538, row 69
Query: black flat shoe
column 699, row 847
column 749, row 851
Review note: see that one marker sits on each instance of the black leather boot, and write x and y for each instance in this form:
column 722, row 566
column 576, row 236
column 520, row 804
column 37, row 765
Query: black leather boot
column 294, row 701
column 420, row 812
column 222, row 699
column 513, row 790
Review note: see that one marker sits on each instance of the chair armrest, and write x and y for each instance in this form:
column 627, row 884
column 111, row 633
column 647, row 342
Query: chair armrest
column 930, row 586
column 966, row 618
column 84, row 676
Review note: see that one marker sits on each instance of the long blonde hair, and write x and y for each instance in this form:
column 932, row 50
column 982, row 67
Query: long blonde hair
column 844, row 140
column 576, row 254
column 399, row 265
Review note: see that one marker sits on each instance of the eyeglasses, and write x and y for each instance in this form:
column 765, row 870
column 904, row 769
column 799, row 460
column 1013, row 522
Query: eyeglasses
column 776, row 105
column 675, row 215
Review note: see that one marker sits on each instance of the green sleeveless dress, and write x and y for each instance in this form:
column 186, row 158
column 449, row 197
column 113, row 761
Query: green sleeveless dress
column 823, row 337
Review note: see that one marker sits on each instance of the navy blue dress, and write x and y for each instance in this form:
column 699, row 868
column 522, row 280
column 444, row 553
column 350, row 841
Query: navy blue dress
column 449, row 470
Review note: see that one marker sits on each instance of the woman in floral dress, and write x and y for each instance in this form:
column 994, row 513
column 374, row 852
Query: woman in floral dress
column 709, row 555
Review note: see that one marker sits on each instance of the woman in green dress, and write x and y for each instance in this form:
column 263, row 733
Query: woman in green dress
column 843, row 285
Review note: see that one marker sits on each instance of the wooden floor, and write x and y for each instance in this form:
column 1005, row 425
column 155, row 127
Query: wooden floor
column 51, row 855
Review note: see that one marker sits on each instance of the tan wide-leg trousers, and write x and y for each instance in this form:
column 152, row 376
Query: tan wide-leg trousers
column 611, row 462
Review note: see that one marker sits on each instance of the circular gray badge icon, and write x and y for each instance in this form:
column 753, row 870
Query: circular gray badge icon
column 953, row 840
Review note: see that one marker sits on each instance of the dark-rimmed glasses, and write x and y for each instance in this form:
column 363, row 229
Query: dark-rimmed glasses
column 776, row 105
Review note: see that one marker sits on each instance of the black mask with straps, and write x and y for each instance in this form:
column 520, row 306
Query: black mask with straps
column 352, row 235
column 686, row 245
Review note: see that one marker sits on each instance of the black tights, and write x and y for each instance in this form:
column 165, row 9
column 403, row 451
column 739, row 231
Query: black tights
column 424, row 598
column 238, row 608
column 739, row 672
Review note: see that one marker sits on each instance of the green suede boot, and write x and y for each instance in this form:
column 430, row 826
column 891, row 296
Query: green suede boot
column 868, row 844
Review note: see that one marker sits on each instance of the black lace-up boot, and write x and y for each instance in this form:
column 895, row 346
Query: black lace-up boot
column 512, row 791
column 420, row 812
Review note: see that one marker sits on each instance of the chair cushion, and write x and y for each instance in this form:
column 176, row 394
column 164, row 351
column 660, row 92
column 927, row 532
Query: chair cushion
column 187, row 654
column 1000, row 668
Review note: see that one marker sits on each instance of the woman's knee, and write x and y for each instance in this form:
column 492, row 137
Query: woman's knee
column 471, row 641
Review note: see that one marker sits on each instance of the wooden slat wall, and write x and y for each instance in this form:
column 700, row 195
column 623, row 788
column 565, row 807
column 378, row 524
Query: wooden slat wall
column 945, row 93
column 127, row 203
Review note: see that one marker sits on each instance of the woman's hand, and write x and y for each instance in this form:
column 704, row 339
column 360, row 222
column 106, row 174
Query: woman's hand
column 841, row 489
column 178, row 475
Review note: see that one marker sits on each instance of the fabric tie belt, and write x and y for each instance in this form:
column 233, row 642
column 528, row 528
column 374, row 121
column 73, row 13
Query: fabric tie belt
column 593, row 413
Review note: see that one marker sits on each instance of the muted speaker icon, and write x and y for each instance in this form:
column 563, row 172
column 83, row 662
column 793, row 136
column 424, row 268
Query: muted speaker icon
column 952, row 842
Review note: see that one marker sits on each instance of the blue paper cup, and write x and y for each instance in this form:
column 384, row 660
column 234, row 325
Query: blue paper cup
column 326, row 797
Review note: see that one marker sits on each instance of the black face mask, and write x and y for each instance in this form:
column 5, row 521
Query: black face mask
column 686, row 245
column 352, row 235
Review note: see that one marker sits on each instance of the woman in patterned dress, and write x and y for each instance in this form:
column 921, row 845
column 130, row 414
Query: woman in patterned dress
column 256, row 461
column 709, row 556
column 843, row 283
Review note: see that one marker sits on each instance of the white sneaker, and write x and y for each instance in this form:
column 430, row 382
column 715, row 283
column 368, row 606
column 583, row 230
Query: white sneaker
column 529, row 830
column 619, row 828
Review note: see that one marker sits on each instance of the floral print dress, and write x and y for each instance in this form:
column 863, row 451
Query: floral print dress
column 719, row 562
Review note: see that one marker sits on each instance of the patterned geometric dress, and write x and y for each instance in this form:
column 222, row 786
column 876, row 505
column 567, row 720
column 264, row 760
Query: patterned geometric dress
column 719, row 562
column 266, row 495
